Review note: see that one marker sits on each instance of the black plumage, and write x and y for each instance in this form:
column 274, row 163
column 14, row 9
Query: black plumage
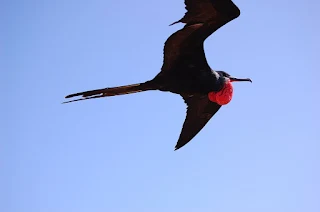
column 185, row 70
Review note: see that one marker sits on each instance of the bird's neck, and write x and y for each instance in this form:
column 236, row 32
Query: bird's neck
column 223, row 96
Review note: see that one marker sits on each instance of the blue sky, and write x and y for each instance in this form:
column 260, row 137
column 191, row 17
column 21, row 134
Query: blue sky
column 258, row 153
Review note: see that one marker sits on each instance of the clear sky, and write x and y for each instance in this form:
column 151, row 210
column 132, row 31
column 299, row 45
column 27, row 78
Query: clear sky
column 259, row 153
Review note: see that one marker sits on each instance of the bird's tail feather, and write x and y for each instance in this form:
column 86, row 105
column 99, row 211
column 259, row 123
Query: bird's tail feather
column 104, row 92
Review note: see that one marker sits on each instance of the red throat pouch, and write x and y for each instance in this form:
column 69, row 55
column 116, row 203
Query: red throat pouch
column 223, row 96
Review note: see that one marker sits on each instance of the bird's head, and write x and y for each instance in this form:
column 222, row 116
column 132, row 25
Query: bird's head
column 224, row 95
column 228, row 78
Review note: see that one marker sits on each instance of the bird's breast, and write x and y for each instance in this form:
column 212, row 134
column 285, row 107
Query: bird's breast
column 223, row 96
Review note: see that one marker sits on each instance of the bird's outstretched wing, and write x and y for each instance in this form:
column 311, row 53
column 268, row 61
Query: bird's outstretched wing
column 205, row 11
column 203, row 17
column 200, row 110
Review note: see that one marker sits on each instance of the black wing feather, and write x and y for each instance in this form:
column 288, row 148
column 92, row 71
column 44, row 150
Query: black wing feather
column 203, row 17
column 200, row 110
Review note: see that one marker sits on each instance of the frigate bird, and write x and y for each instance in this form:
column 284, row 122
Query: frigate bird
column 185, row 70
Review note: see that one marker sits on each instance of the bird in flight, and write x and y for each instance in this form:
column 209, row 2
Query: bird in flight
column 185, row 70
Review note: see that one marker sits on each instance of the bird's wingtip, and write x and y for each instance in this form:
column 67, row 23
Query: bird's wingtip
column 174, row 23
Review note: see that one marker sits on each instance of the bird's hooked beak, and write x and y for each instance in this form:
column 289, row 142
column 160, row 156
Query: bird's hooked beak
column 234, row 79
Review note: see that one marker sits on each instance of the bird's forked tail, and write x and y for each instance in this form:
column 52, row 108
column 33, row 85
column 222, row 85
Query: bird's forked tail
column 114, row 91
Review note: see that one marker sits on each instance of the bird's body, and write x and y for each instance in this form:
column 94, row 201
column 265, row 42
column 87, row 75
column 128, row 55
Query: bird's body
column 185, row 70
